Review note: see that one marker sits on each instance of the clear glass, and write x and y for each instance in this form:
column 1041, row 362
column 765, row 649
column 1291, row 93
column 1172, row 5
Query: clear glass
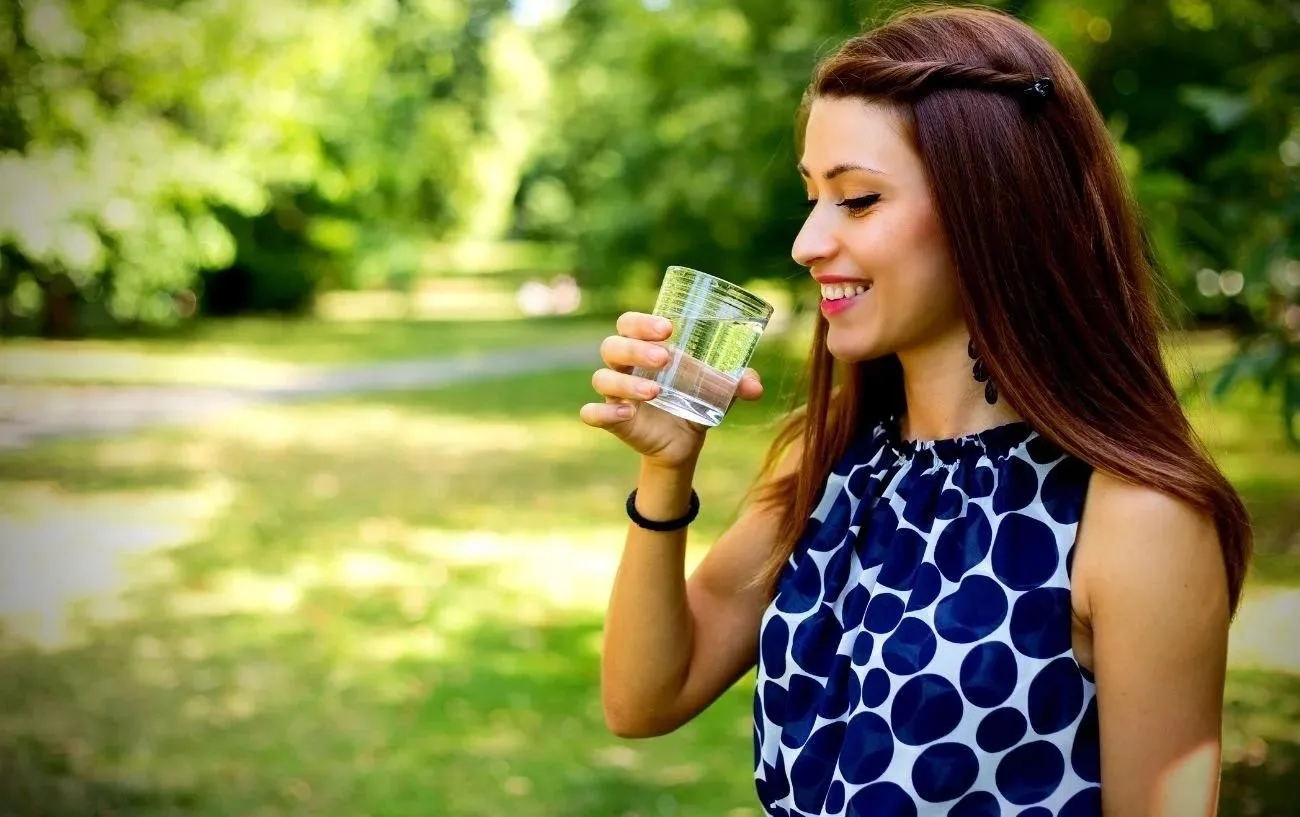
column 716, row 326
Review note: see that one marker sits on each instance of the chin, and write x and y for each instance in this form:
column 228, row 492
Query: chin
column 854, row 349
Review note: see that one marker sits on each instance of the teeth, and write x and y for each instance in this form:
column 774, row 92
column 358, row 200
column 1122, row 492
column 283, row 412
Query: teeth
column 834, row 292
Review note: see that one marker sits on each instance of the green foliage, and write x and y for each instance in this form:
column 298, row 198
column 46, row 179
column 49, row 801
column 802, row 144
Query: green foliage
column 674, row 138
column 142, row 143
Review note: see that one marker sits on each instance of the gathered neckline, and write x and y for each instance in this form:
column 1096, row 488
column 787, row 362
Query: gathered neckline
column 993, row 441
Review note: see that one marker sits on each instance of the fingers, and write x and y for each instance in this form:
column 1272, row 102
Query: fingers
column 750, row 386
column 623, row 353
column 620, row 386
column 606, row 415
column 643, row 326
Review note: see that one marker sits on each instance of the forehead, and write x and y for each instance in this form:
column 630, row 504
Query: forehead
column 855, row 131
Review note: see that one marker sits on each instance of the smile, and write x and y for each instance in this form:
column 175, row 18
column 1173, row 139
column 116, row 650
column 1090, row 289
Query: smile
column 835, row 292
column 840, row 296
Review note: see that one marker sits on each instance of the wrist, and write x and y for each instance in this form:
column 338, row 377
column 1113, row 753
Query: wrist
column 664, row 492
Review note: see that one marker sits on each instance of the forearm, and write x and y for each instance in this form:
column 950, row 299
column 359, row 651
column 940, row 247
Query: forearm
column 649, row 630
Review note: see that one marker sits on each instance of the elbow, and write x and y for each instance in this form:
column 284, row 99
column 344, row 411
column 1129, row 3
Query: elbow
column 631, row 723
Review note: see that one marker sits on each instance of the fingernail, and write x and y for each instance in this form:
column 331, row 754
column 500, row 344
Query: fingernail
column 663, row 324
column 624, row 411
column 646, row 389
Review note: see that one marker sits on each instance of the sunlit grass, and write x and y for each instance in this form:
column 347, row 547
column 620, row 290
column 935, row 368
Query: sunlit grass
column 391, row 605
column 268, row 351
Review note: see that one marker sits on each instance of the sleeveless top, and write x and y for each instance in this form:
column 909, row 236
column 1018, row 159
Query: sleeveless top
column 916, row 659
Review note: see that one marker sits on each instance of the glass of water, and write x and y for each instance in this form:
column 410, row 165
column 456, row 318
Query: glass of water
column 716, row 326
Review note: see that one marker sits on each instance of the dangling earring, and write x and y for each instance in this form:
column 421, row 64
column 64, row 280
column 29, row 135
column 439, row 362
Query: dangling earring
column 981, row 374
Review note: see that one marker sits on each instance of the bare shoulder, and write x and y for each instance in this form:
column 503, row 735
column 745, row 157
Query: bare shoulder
column 1139, row 548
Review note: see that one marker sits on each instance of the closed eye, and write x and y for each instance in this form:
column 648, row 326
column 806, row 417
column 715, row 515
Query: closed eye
column 861, row 204
column 855, row 206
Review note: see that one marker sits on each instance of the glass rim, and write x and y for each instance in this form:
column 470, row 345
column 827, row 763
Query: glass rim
column 729, row 288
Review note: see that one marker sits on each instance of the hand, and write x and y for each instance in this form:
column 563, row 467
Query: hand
column 663, row 438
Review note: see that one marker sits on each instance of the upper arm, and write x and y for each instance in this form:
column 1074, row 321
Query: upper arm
column 1156, row 599
column 727, row 603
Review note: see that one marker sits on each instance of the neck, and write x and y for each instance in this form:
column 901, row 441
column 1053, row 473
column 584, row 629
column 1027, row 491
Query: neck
column 943, row 399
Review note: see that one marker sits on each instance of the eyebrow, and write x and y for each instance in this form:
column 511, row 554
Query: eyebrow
column 843, row 167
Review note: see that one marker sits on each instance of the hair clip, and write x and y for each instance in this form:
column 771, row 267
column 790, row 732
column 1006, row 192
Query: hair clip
column 1035, row 95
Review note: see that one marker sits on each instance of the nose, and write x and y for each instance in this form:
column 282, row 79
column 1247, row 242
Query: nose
column 815, row 243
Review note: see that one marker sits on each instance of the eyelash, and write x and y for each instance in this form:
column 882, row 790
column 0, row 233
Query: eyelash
column 856, row 207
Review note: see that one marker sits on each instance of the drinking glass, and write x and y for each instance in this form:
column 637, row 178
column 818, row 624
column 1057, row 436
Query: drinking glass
column 716, row 326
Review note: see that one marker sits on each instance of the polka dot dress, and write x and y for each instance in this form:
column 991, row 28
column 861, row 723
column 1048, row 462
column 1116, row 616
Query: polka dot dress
column 916, row 659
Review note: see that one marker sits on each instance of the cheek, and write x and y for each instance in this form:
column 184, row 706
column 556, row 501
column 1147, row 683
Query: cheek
column 907, row 255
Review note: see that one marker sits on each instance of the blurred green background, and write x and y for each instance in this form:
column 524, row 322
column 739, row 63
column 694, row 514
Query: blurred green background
column 299, row 300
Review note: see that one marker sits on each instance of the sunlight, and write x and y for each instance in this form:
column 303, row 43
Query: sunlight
column 62, row 551
column 1266, row 632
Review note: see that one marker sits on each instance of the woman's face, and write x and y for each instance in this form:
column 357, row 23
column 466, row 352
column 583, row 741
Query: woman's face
column 873, row 228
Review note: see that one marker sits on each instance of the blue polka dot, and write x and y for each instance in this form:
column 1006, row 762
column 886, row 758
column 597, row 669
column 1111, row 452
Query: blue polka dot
column 882, row 798
column 1063, row 490
column 833, row 526
column 951, row 504
column 1042, row 451
column 976, row 608
column 976, row 804
column 944, row 771
column 878, row 533
column 774, row 785
column 854, row 607
column 925, row 709
column 1024, row 552
column 1055, row 696
column 835, row 576
column 920, row 505
column 801, row 590
column 1017, row 486
column 1036, row 811
column 875, row 688
column 883, row 613
column 842, row 689
column 977, row 483
column 963, row 544
column 815, row 642
column 1040, row 622
column 904, row 557
column 835, row 798
column 1001, row 729
column 859, row 482
column 1085, row 754
column 1030, row 773
column 988, row 674
column 810, row 776
column 1086, row 803
column 802, row 699
column 910, row 648
column 869, row 746
column 774, row 702
column 775, row 638
column 862, row 648
column 925, row 588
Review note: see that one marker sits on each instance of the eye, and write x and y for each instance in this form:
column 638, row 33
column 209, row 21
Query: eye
column 861, row 204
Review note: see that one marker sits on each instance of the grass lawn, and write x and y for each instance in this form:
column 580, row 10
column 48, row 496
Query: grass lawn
column 391, row 606
column 260, row 351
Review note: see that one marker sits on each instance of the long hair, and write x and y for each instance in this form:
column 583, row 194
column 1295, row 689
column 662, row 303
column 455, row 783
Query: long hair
column 1054, row 273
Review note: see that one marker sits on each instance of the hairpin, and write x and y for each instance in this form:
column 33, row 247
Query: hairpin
column 1035, row 95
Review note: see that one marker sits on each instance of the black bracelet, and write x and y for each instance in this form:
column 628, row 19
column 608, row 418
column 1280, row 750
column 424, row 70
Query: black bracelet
column 663, row 527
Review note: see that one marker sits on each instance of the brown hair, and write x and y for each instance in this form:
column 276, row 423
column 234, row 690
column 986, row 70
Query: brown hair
column 1053, row 269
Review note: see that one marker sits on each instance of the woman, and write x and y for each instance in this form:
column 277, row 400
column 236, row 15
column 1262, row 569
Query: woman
column 941, row 623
